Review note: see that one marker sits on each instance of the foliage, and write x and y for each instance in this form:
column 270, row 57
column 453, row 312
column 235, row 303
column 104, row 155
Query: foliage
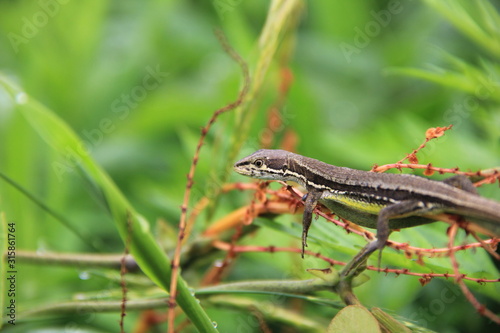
column 135, row 81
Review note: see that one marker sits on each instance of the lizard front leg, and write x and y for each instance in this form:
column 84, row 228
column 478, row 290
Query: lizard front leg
column 310, row 202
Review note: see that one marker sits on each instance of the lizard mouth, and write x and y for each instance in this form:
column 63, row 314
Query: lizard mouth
column 246, row 171
column 242, row 170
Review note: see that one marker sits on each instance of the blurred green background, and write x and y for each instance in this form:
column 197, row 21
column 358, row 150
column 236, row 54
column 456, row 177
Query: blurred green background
column 137, row 80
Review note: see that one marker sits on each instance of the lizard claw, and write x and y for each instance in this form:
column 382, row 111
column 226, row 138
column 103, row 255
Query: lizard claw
column 304, row 242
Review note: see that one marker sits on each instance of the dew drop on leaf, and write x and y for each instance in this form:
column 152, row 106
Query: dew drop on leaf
column 21, row 98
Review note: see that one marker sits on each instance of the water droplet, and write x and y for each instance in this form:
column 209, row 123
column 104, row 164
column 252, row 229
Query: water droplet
column 79, row 297
column 219, row 263
column 191, row 291
column 21, row 98
column 84, row 275
column 215, row 324
column 41, row 248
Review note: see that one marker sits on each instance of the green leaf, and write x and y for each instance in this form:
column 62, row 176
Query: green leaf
column 354, row 318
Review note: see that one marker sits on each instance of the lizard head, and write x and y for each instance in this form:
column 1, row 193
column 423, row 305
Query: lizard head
column 265, row 164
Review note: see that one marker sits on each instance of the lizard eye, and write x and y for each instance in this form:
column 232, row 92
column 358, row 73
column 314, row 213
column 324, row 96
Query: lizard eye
column 258, row 163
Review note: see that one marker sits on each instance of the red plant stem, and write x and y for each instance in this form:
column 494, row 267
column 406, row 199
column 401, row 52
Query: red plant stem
column 429, row 167
column 183, row 218
column 272, row 249
column 459, row 279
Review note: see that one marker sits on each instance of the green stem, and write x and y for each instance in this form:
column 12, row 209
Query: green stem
column 281, row 286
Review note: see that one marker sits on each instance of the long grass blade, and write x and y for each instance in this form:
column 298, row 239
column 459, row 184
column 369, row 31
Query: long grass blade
column 152, row 260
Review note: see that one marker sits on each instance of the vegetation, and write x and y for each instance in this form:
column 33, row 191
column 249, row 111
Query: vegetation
column 101, row 105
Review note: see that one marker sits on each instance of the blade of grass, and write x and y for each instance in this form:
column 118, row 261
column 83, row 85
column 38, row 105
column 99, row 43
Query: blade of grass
column 152, row 260
column 48, row 210
column 474, row 80
column 481, row 28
